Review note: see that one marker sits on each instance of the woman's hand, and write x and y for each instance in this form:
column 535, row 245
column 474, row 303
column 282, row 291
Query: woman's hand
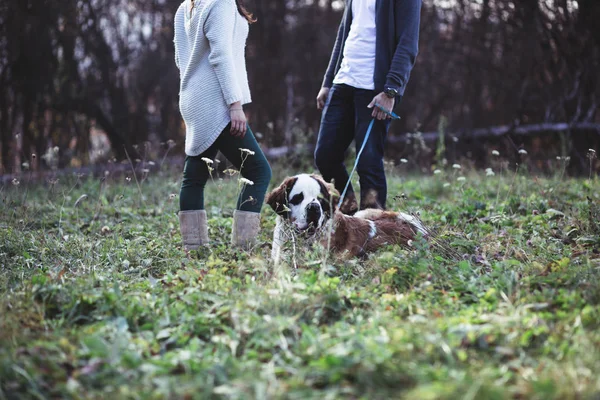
column 322, row 97
column 239, row 123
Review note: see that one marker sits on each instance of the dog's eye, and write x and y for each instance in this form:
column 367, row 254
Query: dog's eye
column 297, row 199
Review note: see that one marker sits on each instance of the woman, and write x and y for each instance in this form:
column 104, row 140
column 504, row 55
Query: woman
column 210, row 39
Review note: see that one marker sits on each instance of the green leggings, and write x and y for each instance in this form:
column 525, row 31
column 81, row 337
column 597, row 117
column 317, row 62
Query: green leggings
column 255, row 168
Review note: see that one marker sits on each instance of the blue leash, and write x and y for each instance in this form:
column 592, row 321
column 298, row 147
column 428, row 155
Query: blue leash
column 393, row 116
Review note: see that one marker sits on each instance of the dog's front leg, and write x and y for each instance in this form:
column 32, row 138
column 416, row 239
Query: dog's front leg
column 278, row 240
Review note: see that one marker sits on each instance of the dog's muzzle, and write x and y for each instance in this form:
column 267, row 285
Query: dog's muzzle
column 313, row 214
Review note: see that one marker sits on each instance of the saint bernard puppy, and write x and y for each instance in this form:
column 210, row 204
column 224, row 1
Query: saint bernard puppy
column 307, row 204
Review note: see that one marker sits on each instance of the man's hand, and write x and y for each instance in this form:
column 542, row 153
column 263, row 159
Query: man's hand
column 322, row 97
column 384, row 101
column 238, row 120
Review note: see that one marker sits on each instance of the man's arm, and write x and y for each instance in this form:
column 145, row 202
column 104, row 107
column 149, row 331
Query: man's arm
column 335, row 55
column 408, row 17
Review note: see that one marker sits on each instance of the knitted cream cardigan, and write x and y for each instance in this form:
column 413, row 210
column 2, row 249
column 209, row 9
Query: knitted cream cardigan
column 209, row 52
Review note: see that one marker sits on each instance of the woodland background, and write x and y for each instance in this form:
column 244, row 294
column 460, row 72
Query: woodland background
column 94, row 81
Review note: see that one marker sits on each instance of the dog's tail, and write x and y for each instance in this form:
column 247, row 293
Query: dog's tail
column 431, row 235
column 416, row 223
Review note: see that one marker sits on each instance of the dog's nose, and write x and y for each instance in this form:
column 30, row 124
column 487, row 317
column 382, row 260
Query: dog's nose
column 313, row 210
column 312, row 207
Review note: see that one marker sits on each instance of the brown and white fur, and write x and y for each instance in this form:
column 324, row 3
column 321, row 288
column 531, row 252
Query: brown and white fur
column 307, row 202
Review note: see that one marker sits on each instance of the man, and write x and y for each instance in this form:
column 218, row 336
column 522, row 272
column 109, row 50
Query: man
column 375, row 50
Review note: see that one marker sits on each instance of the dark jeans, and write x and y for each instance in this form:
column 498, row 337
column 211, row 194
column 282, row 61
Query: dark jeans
column 255, row 168
column 346, row 118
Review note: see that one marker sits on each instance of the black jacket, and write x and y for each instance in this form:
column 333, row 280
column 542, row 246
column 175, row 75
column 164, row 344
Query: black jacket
column 397, row 26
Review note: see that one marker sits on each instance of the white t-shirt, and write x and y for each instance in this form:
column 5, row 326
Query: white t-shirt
column 358, row 62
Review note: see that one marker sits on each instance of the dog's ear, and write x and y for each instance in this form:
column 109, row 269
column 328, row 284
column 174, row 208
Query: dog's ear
column 330, row 195
column 278, row 198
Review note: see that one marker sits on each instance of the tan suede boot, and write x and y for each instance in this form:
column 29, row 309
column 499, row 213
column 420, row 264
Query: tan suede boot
column 246, row 226
column 194, row 229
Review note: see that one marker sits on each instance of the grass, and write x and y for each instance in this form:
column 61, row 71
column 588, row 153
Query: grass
column 98, row 300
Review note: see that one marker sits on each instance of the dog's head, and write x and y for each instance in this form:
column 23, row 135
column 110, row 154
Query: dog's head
column 305, row 200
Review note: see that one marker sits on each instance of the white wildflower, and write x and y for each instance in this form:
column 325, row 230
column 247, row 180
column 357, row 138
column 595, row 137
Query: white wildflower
column 15, row 182
column 461, row 179
column 207, row 160
column 403, row 160
column 250, row 152
column 489, row 172
column 446, row 184
column 437, row 172
column 230, row 172
column 495, row 153
column 523, row 152
column 558, row 158
column 591, row 150
column 456, row 166
column 246, row 181
column 56, row 149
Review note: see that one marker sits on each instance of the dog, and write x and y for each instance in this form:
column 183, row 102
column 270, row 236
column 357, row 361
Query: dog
column 309, row 205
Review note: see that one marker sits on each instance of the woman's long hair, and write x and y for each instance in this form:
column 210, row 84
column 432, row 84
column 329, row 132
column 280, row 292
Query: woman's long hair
column 241, row 8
